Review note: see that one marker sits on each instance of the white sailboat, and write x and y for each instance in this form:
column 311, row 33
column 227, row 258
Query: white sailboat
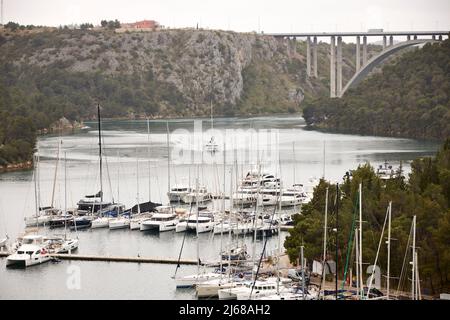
column 33, row 250
column 165, row 219
column 211, row 145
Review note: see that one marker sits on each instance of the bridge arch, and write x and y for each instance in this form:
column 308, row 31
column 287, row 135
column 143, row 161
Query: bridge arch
column 377, row 60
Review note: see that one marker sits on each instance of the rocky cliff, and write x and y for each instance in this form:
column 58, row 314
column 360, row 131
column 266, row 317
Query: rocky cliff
column 163, row 73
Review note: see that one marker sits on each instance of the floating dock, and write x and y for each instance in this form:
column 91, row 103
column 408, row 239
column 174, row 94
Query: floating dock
column 81, row 257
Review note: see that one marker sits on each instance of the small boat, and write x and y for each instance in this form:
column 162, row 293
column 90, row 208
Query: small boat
column 160, row 222
column 210, row 288
column 100, row 222
column 32, row 250
column 222, row 228
column 122, row 222
column 235, row 253
column 79, row 223
column 62, row 244
column 201, row 195
column 177, row 192
column 204, row 222
column 192, row 280
column 387, row 172
column 211, row 145
column 4, row 241
column 61, row 221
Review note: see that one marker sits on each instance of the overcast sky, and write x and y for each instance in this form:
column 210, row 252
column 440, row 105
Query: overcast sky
column 241, row 15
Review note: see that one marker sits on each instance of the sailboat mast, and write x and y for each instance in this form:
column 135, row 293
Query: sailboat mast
column 100, row 151
column 360, row 240
column 65, row 193
column 196, row 226
column 337, row 244
column 149, row 167
column 137, row 183
column 168, row 158
column 303, row 273
column 212, row 120
column 223, row 209
column 56, row 172
column 325, row 230
column 389, row 251
column 413, row 278
column 35, row 190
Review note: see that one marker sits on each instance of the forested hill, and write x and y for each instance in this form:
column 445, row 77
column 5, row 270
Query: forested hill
column 408, row 98
column 49, row 73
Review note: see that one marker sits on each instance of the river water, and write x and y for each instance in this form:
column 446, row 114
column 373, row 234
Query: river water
column 136, row 165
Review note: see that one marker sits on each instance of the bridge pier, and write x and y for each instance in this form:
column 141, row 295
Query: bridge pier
column 316, row 73
column 384, row 42
column 332, row 68
column 358, row 54
column 408, row 37
column 440, row 38
column 339, row 65
column 415, row 37
column 364, row 50
column 391, row 41
column 433, row 37
column 308, row 57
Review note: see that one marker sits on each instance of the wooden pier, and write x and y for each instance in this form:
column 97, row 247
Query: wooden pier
column 116, row 259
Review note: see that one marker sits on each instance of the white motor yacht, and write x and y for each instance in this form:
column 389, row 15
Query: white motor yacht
column 201, row 195
column 160, row 222
column 201, row 223
column 177, row 192
column 32, row 250
column 210, row 288
column 193, row 280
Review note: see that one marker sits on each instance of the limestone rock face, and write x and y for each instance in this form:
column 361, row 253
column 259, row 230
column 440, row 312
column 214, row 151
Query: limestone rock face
column 241, row 73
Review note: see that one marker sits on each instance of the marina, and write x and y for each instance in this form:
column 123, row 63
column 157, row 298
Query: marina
column 100, row 248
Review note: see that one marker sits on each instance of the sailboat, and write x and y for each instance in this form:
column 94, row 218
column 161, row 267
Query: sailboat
column 94, row 203
column 63, row 244
column 31, row 249
column 211, row 145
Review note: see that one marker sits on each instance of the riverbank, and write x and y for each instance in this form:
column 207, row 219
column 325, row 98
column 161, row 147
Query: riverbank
column 16, row 166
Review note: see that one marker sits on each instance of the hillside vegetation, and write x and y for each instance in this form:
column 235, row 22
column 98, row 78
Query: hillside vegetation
column 47, row 74
column 408, row 98
column 426, row 195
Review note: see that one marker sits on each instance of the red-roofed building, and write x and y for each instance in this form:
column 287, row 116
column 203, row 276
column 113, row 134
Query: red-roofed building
column 144, row 25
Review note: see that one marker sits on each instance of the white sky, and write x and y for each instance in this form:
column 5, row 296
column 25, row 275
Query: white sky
column 241, row 15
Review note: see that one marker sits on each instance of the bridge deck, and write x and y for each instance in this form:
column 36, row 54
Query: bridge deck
column 354, row 34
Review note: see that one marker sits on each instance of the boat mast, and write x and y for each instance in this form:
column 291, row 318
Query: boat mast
column 337, row 231
column 303, row 273
column 65, row 193
column 360, row 241
column 168, row 158
column 325, row 230
column 413, row 279
column 196, row 227
column 389, row 251
column 137, row 184
column 223, row 210
column 100, row 152
column 56, row 171
column 35, row 190
column 149, row 167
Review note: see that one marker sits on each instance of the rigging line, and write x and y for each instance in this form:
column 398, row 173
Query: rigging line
column 404, row 261
column 264, row 247
column 350, row 241
column 184, row 238
column 378, row 252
